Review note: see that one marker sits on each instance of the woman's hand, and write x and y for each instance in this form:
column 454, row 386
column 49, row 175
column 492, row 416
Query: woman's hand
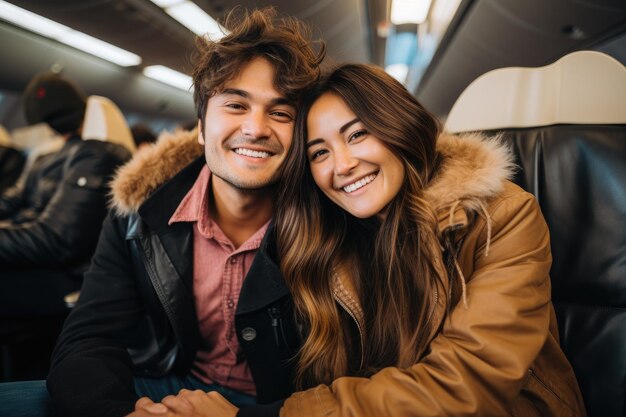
column 186, row 404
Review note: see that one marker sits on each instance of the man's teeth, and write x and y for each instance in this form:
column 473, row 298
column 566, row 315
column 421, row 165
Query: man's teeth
column 360, row 183
column 251, row 153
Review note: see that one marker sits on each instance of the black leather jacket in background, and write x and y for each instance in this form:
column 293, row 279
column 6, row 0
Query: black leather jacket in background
column 11, row 165
column 55, row 219
column 136, row 314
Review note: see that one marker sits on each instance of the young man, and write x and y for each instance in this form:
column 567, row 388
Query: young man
column 182, row 291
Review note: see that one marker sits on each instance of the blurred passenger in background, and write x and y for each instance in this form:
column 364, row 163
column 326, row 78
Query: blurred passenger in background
column 143, row 136
column 11, row 161
column 49, row 226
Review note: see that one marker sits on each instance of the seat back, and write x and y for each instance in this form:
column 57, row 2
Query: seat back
column 566, row 123
column 104, row 121
column 5, row 139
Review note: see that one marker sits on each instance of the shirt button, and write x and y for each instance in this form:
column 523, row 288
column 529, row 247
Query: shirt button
column 248, row 334
column 230, row 303
column 82, row 181
column 233, row 260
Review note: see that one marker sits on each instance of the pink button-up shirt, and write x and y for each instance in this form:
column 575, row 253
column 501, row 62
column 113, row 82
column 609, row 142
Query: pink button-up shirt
column 218, row 273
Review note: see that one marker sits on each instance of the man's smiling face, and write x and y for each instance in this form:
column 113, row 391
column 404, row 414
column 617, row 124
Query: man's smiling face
column 248, row 128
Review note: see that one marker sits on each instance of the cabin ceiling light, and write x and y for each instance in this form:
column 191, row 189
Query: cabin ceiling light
column 166, row 3
column 192, row 17
column 409, row 11
column 53, row 30
column 169, row 76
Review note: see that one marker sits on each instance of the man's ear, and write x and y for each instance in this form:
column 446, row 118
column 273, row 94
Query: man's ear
column 200, row 135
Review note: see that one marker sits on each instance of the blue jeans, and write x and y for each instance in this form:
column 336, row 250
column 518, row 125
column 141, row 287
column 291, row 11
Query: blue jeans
column 30, row 398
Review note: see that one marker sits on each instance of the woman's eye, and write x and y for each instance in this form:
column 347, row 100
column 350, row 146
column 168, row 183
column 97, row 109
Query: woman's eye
column 356, row 135
column 317, row 154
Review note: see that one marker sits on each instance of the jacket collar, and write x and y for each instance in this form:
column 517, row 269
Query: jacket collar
column 159, row 207
column 149, row 173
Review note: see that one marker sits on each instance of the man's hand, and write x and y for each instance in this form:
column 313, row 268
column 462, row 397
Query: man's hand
column 145, row 403
column 186, row 404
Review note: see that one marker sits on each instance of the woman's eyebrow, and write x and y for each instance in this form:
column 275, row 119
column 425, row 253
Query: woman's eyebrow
column 347, row 125
column 341, row 130
column 314, row 142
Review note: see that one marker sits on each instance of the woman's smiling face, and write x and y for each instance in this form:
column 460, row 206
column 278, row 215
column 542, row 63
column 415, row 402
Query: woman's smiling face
column 350, row 165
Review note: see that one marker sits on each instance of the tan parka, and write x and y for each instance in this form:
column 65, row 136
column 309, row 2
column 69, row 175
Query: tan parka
column 497, row 353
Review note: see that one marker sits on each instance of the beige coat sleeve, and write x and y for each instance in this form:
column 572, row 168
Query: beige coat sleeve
column 478, row 360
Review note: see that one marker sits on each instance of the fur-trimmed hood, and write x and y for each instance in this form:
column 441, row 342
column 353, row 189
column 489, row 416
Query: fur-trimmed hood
column 473, row 170
column 150, row 168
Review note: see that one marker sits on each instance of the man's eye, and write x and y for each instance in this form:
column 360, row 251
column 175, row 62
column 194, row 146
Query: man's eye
column 282, row 115
column 235, row 106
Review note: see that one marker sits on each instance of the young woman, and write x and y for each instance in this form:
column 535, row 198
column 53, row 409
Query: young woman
column 419, row 272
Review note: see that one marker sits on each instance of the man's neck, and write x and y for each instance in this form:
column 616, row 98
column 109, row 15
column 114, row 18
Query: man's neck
column 239, row 213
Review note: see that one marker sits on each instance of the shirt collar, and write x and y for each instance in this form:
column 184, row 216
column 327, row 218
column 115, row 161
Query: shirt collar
column 195, row 201
column 194, row 207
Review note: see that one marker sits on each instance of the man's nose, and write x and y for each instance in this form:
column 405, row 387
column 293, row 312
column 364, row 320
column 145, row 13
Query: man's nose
column 256, row 125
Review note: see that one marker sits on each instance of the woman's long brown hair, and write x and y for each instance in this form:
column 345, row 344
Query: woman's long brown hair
column 390, row 261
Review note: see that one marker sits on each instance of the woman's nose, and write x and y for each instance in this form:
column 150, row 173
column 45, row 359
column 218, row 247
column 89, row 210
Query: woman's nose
column 344, row 161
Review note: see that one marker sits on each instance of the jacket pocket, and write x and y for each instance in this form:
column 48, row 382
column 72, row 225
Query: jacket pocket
column 545, row 398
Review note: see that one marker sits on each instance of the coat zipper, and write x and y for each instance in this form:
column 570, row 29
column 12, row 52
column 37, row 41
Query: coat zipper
column 274, row 313
column 358, row 325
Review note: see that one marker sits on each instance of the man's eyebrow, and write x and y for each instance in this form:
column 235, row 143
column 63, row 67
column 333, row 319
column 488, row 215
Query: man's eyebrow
column 236, row 92
column 246, row 95
column 282, row 100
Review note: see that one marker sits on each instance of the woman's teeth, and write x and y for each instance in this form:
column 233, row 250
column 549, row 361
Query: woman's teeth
column 360, row 183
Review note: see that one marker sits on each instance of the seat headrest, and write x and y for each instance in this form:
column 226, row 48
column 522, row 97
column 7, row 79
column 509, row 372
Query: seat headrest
column 104, row 121
column 5, row 138
column 584, row 87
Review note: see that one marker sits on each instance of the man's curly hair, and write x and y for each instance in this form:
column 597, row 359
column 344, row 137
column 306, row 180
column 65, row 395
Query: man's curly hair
column 284, row 41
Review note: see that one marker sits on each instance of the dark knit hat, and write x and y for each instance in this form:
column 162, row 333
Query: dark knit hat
column 52, row 99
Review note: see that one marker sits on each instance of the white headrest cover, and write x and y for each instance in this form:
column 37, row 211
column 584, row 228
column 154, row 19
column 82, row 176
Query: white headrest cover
column 584, row 87
column 104, row 121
